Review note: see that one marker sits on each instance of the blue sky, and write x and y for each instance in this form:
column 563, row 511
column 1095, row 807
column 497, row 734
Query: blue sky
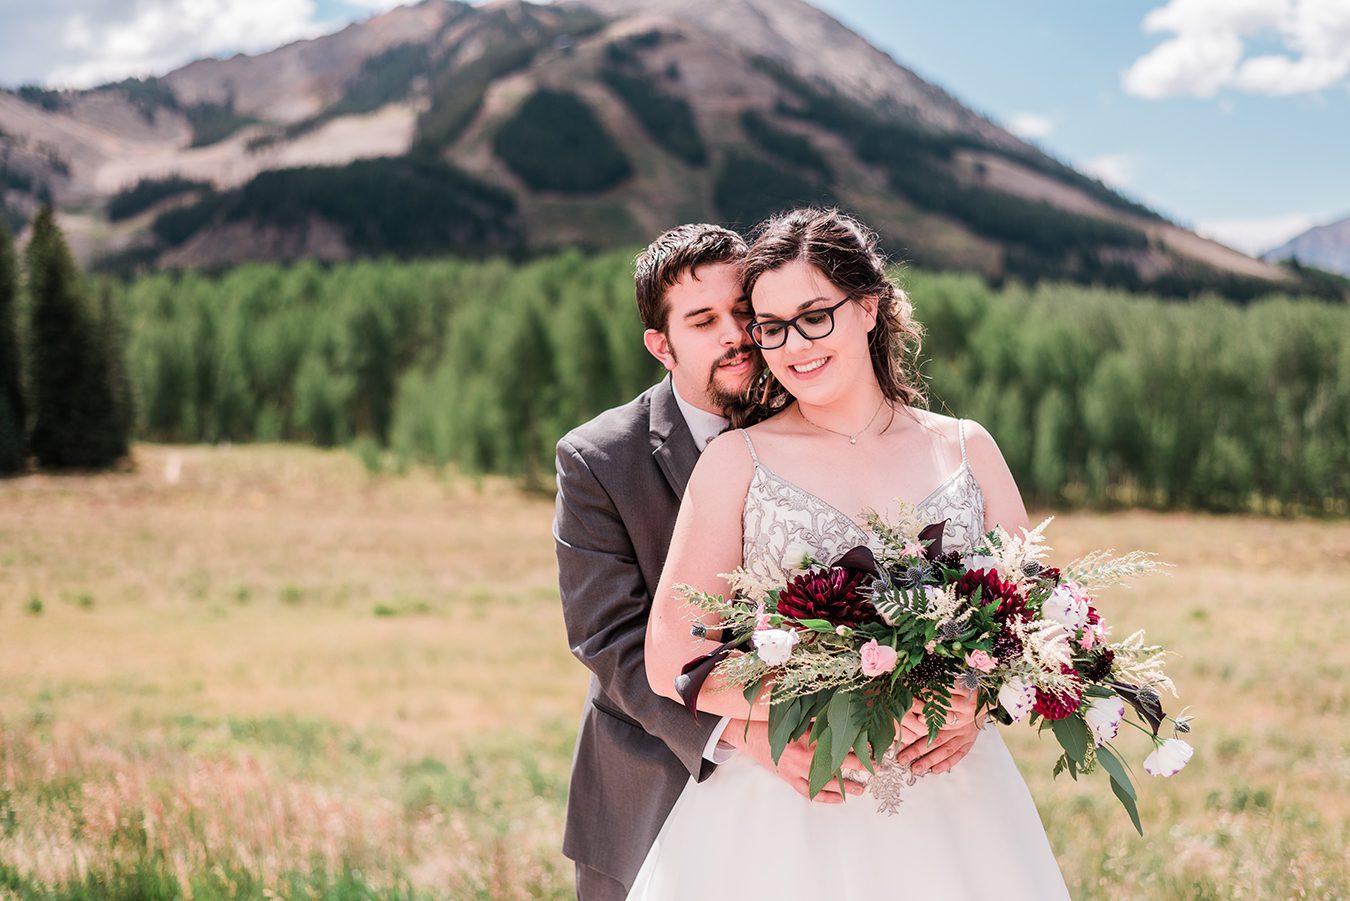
column 1230, row 116
column 1230, row 158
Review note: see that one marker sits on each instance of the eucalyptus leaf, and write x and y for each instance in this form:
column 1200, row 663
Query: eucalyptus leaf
column 860, row 749
column 818, row 725
column 882, row 734
column 1074, row 737
column 1129, row 805
column 783, row 721
column 751, row 692
column 821, row 770
column 845, row 724
column 1116, row 769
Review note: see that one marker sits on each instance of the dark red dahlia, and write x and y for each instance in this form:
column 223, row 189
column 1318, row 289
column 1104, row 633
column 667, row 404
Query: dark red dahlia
column 1050, row 574
column 1098, row 668
column 1093, row 617
column 1058, row 705
column 1010, row 603
column 833, row 594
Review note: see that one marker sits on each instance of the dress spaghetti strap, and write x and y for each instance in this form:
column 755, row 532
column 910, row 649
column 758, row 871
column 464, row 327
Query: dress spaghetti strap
column 750, row 444
column 961, row 430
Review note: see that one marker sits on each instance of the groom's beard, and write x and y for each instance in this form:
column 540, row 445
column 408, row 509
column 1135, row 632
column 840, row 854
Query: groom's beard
column 720, row 394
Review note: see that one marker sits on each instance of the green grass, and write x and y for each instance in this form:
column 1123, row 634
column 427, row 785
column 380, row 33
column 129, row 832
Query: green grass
column 236, row 745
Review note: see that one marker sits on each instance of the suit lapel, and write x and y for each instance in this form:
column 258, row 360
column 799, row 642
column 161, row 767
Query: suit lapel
column 672, row 445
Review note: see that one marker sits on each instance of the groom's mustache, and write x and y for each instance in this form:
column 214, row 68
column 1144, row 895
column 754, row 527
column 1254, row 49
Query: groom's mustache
column 735, row 355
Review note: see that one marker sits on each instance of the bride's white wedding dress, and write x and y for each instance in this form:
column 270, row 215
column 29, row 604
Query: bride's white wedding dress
column 744, row 833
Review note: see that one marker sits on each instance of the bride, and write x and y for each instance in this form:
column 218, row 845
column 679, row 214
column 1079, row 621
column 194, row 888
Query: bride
column 846, row 433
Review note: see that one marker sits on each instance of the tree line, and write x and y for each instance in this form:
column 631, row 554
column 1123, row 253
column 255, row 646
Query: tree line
column 1097, row 397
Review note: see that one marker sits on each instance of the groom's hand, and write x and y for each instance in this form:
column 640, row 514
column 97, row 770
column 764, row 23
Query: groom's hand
column 953, row 741
column 794, row 766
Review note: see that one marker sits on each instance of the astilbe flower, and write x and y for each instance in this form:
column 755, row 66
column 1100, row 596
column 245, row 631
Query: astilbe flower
column 836, row 595
column 992, row 587
column 1058, row 705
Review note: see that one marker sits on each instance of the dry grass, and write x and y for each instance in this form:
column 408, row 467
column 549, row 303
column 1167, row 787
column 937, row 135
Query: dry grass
column 279, row 674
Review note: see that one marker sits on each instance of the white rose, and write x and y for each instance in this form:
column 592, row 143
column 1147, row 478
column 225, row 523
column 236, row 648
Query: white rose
column 1103, row 717
column 1065, row 608
column 1017, row 697
column 796, row 554
column 1169, row 758
column 774, row 646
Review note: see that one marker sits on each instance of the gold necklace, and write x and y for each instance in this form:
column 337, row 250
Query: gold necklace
column 852, row 439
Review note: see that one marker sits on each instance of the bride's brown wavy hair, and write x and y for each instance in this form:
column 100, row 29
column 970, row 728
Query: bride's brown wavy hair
column 844, row 251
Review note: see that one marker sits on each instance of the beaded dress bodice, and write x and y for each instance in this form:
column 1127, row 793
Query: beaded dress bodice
column 782, row 520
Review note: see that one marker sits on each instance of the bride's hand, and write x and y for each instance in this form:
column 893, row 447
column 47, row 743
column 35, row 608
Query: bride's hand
column 794, row 766
column 953, row 742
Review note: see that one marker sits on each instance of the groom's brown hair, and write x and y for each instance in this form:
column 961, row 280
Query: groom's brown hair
column 682, row 249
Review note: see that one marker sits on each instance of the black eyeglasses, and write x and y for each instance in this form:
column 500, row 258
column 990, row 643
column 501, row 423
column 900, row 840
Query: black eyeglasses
column 769, row 334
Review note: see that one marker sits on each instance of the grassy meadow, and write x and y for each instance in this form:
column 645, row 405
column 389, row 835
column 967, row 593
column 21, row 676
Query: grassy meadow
column 260, row 671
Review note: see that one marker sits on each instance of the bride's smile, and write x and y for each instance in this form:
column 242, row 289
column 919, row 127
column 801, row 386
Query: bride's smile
column 803, row 369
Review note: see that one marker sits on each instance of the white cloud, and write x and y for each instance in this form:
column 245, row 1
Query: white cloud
column 154, row 36
column 1030, row 126
column 1256, row 236
column 1206, row 52
column 1194, row 65
column 378, row 5
column 1116, row 169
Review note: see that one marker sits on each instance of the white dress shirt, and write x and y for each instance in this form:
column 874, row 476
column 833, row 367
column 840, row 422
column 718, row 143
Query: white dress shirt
column 704, row 427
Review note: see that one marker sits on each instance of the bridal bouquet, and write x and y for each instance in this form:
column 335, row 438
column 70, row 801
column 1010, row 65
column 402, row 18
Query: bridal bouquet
column 847, row 649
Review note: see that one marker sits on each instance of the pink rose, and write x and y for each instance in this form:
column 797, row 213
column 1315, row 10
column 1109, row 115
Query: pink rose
column 877, row 659
column 761, row 617
column 981, row 661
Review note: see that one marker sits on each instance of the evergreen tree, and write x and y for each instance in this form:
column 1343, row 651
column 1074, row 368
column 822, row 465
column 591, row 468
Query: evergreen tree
column 526, row 378
column 586, row 370
column 12, row 407
column 1050, row 456
column 74, row 418
column 121, row 411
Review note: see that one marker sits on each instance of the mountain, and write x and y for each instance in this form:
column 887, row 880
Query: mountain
column 1324, row 246
column 511, row 127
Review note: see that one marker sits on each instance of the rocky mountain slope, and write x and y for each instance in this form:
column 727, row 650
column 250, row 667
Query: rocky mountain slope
column 1324, row 246
column 511, row 127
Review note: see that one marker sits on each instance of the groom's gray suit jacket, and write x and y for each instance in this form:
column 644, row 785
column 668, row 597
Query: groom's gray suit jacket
column 620, row 480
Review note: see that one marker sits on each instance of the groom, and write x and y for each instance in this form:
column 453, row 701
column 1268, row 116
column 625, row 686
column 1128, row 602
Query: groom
column 620, row 480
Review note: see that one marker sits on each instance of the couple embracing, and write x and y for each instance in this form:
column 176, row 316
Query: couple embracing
column 791, row 406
